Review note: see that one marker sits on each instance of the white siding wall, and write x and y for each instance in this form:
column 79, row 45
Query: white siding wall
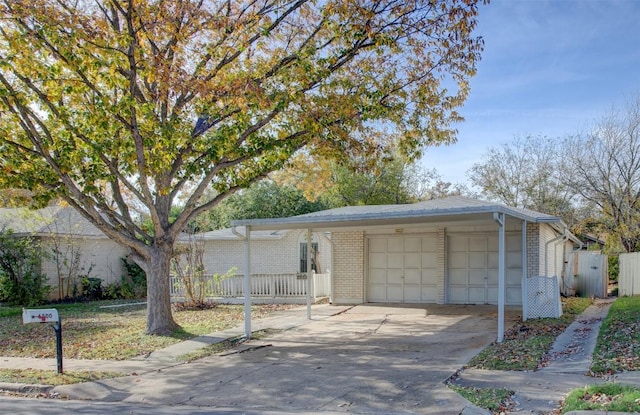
column 553, row 252
column 547, row 265
column 100, row 258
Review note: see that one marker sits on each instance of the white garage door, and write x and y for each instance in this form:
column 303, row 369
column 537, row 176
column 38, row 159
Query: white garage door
column 472, row 265
column 403, row 269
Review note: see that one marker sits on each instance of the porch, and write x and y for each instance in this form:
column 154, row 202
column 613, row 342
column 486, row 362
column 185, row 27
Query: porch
column 285, row 288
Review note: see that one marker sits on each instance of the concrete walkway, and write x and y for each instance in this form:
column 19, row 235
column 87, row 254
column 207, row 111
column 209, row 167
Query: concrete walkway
column 541, row 392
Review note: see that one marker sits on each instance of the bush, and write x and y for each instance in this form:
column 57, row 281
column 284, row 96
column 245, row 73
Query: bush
column 614, row 268
column 92, row 288
column 132, row 285
column 21, row 282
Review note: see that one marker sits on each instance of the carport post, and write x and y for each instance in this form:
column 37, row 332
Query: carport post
column 525, row 291
column 500, row 219
column 309, row 273
column 247, row 282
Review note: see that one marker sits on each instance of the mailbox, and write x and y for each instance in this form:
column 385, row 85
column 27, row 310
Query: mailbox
column 44, row 315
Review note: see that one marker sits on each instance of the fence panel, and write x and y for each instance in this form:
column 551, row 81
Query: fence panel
column 629, row 276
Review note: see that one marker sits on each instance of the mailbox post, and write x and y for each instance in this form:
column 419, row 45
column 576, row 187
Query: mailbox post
column 47, row 315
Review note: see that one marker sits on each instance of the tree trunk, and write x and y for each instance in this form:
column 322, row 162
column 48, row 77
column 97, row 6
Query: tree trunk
column 159, row 318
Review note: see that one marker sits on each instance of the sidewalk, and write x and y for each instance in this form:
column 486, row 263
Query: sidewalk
column 540, row 392
column 168, row 357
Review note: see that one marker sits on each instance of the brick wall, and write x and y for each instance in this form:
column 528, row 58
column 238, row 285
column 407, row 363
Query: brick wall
column 279, row 256
column 348, row 261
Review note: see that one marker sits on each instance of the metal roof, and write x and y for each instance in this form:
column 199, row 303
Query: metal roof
column 453, row 209
column 227, row 234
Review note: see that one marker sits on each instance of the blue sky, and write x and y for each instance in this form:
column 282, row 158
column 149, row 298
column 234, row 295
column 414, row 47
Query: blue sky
column 548, row 68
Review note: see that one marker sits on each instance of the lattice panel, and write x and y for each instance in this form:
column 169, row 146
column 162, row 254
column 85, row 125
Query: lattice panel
column 543, row 297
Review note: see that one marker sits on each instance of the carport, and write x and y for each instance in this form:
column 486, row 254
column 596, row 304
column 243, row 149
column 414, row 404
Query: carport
column 463, row 266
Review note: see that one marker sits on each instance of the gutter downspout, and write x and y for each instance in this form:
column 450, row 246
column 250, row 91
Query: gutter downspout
column 555, row 241
column 247, row 278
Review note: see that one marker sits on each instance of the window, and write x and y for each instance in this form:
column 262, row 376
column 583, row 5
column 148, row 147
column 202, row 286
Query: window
column 303, row 256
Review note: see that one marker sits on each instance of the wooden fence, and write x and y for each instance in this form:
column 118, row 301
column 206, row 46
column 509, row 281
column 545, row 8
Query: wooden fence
column 263, row 286
column 629, row 276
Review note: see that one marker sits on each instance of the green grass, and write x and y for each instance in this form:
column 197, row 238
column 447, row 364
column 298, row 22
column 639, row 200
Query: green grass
column 52, row 377
column 10, row 311
column 494, row 400
column 525, row 345
column 92, row 332
column 609, row 397
column 618, row 346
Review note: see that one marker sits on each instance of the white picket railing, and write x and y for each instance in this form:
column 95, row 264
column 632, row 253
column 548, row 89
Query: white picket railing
column 273, row 286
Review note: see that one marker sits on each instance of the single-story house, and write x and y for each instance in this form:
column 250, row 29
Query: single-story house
column 456, row 250
column 73, row 247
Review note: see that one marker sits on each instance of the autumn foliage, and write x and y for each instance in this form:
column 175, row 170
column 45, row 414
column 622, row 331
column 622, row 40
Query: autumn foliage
column 122, row 108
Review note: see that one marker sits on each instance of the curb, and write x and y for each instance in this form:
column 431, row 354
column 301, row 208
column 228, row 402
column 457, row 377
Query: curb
column 25, row 388
column 597, row 412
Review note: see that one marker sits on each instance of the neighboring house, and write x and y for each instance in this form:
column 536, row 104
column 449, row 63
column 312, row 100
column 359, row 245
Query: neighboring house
column 73, row 246
column 441, row 251
column 76, row 248
column 592, row 242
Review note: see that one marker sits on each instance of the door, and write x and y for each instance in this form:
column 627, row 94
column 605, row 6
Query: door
column 402, row 269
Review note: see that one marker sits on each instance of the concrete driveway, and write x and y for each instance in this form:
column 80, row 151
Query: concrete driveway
column 370, row 359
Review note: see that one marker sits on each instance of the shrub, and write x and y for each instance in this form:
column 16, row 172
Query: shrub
column 614, row 268
column 134, row 283
column 92, row 288
column 21, row 282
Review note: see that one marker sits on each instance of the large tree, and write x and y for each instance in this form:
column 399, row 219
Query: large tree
column 265, row 199
column 527, row 173
column 123, row 106
column 386, row 180
column 603, row 166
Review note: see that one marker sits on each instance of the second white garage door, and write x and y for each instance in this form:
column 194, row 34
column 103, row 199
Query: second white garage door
column 403, row 269
column 472, row 268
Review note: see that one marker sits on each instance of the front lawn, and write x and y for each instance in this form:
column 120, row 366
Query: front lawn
column 618, row 347
column 526, row 344
column 52, row 377
column 610, row 397
column 90, row 331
